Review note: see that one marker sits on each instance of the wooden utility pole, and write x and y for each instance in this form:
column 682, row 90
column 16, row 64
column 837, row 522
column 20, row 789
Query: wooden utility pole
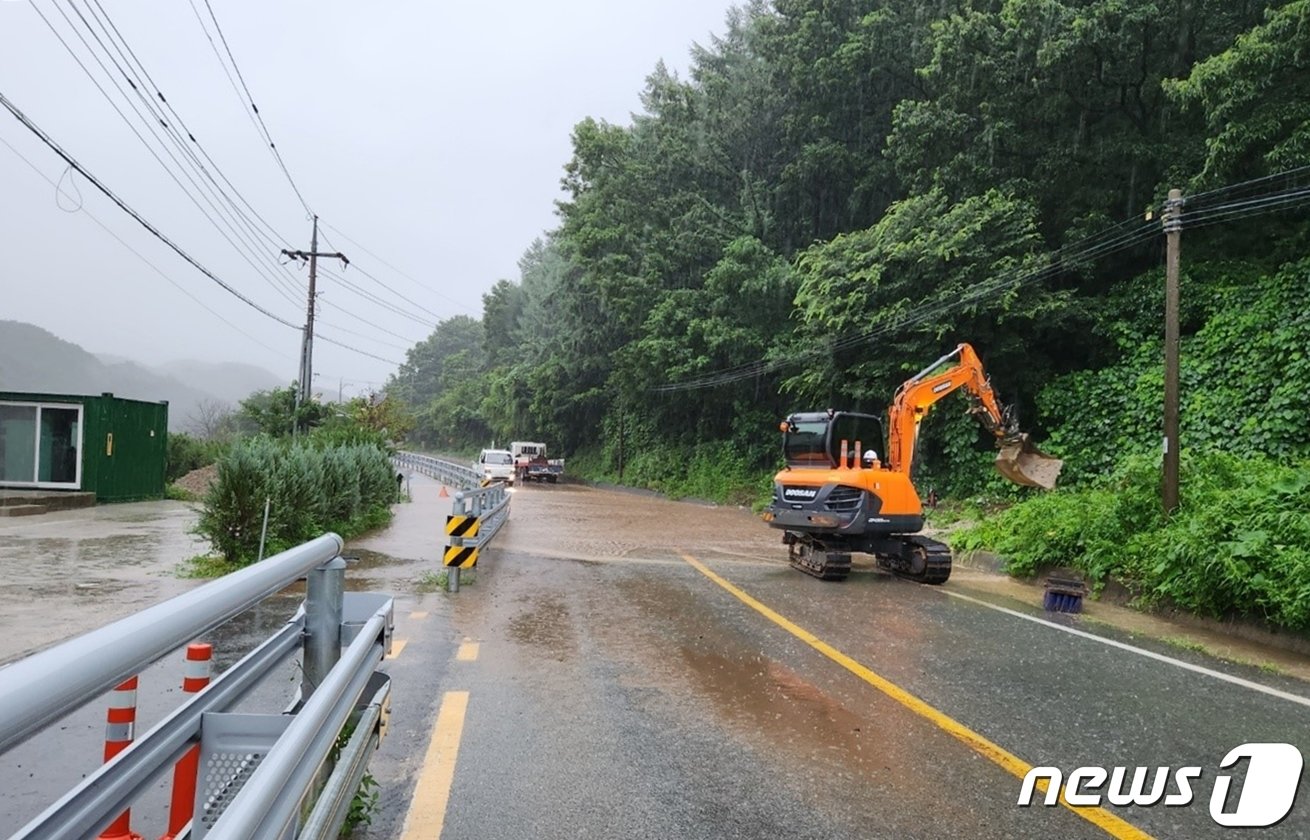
column 307, row 346
column 1173, row 227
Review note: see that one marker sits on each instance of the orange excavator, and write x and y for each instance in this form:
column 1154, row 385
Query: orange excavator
column 835, row 496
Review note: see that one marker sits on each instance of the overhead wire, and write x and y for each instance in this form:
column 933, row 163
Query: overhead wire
column 245, row 254
column 353, row 287
column 154, row 231
column 1209, row 195
column 266, row 242
column 358, row 334
column 1104, row 243
column 183, row 289
column 143, row 79
column 248, row 101
column 398, row 271
column 366, row 322
column 112, row 196
column 107, row 25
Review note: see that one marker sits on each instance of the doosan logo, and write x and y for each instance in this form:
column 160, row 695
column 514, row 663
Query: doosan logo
column 1273, row 774
column 799, row 493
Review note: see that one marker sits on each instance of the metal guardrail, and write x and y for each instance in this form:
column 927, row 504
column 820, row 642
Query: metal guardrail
column 448, row 473
column 489, row 504
column 265, row 802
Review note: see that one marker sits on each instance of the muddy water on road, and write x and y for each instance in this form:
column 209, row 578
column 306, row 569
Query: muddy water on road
column 608, row 524
column 63, row 573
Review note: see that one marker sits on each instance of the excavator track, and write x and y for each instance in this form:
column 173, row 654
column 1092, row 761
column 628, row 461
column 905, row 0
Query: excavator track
column 817, row 562
column 922, row 559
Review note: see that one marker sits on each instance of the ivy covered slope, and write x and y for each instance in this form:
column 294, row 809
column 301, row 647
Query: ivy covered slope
column 1240, row 542
column 839, row 191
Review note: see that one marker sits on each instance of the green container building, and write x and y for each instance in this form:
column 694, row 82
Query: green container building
column 112, row 447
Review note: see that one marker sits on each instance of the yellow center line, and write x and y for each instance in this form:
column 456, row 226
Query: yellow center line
column 468, row 652
column 1100, row 817
column 397, row 645
column 427, row 810
column 419, row 615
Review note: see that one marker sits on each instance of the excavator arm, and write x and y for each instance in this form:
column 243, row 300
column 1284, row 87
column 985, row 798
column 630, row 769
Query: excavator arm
column 1018, row 460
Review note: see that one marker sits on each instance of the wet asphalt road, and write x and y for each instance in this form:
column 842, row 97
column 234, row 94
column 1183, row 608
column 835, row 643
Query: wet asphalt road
column 619, row 692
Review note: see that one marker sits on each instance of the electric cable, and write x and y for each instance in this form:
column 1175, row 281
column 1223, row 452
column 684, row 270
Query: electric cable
column 122, row 205
column 260, row 246
column 351, row 286
column 59, row 150
column 248, row 101
column 183, row 289
column 150, row 126
column 398, row 271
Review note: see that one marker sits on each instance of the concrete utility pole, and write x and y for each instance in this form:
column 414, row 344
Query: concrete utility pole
column 307, row 346
column 1173, row 227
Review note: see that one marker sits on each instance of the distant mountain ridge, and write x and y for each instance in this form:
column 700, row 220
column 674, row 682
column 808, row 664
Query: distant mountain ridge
column 34, row 359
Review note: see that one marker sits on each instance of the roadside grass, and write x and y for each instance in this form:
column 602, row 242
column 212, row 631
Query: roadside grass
column 204, row 566
column 431, row 581
column 177, row 493
column 1184, row 643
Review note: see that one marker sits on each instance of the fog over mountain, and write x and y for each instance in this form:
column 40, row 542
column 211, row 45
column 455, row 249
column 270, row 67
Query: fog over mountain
column 35, row 360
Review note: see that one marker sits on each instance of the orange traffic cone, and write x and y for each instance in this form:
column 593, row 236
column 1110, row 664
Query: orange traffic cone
column 444, row 494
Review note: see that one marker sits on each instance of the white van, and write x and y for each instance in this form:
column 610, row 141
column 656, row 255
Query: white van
column 497, row 465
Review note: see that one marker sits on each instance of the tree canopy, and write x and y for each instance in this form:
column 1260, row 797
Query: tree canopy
column 841, row 190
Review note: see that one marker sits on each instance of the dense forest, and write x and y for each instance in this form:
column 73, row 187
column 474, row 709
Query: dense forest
column 842, row 190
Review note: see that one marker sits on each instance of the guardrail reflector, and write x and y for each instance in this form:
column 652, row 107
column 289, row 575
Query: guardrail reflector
column 461, row 526
column 461, row 556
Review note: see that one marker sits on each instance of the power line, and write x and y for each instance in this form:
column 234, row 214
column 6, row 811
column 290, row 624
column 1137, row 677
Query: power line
column 398, row 294
column 77, row 167
column 365, row 321
column 246, row 255
column 249, row 100
column 184, row 290
column 107, row 24
column 358, row 334
column 1104, row 243
column 375, row 300
column 280, row 282
column 57, row 149
column 1202, row 197
column 322, row 337
column 408, row 277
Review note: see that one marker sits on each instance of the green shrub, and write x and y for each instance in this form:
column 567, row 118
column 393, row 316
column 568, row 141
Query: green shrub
column 312, row 488
column 1239, row 544
column 186, row 453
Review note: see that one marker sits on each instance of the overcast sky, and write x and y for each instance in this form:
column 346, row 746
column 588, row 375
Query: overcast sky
column 431, row 133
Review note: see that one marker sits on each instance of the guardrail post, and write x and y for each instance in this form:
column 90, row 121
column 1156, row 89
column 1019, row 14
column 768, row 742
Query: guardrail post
column 452, row 574
column 324, row 594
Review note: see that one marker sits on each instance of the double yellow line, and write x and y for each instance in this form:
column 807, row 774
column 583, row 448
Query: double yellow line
column 1099, row 817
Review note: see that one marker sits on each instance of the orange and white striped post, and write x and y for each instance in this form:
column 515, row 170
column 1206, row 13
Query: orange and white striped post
column 120, row 730
column 195, row 677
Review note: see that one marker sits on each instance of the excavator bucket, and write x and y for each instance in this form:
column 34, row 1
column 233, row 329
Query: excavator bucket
column 1025, row 464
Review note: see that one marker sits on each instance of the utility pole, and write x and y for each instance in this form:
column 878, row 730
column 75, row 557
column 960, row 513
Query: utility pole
column 307, row 346
column 1173, row 227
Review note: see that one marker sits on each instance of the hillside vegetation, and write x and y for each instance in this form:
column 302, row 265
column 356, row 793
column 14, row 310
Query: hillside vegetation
column 839, row 192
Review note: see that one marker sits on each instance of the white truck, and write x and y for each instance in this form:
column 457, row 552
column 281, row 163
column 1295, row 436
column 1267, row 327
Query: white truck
column 531, row 463
column 496, row 465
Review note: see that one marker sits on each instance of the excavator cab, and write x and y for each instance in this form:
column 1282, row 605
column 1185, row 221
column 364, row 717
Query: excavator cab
column 814, row 439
